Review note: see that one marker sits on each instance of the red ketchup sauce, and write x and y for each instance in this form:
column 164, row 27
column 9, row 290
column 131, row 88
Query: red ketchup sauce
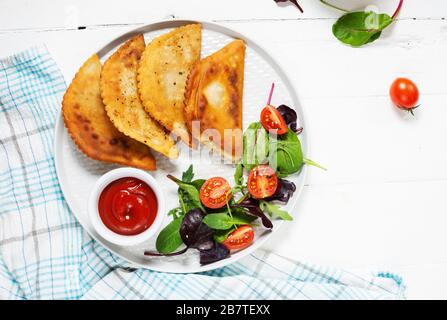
column 127, row 206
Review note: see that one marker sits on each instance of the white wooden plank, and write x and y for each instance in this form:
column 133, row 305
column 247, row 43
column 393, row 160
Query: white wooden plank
column 367, row 140
column 354, row 130
column 321, row 66
column 29, row 14
column 314, row 58
column 374, row 226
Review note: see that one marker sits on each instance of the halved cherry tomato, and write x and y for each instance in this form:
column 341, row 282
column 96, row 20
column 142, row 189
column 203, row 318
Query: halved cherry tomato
column 215, row 192
column 240, row 238
column 272, row 120
column 262, row 181
column 404, row 94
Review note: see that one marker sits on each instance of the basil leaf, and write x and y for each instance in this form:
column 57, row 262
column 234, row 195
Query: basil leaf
column 274, row 210
column 285, row 154
column 222, row 221
column 169, row 239
column 359, row 28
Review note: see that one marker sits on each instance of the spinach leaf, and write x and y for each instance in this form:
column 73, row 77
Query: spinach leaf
column 169, row 238
column 274, row 210
column 359, row 28
column 222, row 221
column 285, row 154
column 255, row 145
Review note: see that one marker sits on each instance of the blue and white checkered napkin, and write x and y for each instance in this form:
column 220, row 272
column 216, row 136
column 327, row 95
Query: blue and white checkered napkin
column 45, row 253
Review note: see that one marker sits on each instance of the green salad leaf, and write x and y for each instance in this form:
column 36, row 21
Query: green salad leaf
column 274, row 210
column 198, row 183
column 189, row 197
column 175, row 213
column 255, row 145
column 188, row 190
column 169, row 238
column 188, row 174
column 285, row 154
column 238, row 175
column 360, row 28
column 222, row 221
column 222, row 235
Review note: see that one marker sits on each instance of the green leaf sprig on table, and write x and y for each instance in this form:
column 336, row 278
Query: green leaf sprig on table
column 360, row 27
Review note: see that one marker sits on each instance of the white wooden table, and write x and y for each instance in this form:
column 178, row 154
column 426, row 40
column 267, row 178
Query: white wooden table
column 383, row 203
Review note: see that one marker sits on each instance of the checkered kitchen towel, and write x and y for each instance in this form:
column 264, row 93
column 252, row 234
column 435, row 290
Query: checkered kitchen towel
column 45, row 253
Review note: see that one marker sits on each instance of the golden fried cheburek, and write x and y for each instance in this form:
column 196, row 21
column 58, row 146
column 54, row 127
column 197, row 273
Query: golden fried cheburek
column 123, row 105
column 91, row 129
column 213, row 100
column 162, row 75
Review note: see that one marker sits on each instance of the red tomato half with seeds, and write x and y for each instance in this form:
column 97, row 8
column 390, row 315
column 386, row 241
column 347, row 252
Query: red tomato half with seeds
column 215, row 193
column 272, row 120
column 240, row 238
column 262, row 181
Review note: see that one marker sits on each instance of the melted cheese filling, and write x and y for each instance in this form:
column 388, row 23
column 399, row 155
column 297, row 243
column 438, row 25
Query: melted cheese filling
column 215, row 93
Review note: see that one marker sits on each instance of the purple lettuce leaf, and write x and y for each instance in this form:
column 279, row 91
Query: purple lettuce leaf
column 295, row 2
column 283, row 192
column 251, row 206
column 216, row 253
column 195, row 233
column 290, row 118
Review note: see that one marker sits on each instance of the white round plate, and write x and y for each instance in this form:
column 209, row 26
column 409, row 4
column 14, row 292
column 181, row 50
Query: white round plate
column 77, row 173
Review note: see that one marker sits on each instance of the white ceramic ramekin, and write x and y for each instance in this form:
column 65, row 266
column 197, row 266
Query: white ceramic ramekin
column 101, row 228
